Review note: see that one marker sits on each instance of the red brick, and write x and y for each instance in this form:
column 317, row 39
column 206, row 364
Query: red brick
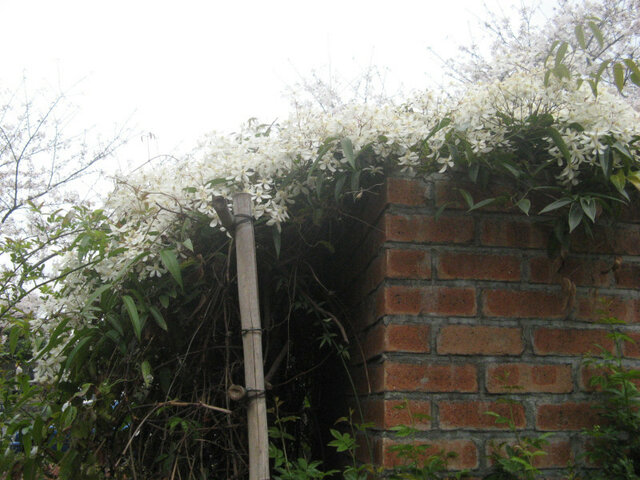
column 523, row 303
column 399, row 300
column 426, row 229
column 566, row 416
column 558, row 454
column 523, row 377
column 479, row 340
column 569, row 341
column 398, row 191
column 447, row 193
column 415, row 264
column 368, row 378
column 479, row 266
column 587, row 373
column 466, row 453
column 593, row 308
column 622, row 240
column 405, row 191
column 583, row 272
column 430, row 377
column 632, row 349
column 407, row 338
column 513, row 233
column 390, row 413
column 473, row 415
column 630, row 215
column 628, row 275
column 628, row 240
column 396, row 338
column 391, row 263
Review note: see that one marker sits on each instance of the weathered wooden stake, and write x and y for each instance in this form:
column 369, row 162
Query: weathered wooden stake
column 251, row 337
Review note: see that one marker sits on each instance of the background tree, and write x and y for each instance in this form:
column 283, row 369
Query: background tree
column 598, row 36
column 41, row 158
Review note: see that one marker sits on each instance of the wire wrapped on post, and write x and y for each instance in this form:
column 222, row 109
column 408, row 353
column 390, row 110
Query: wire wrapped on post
column 244, row 218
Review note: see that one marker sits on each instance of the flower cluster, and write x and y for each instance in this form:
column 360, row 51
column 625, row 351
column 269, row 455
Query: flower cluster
column 280, row 164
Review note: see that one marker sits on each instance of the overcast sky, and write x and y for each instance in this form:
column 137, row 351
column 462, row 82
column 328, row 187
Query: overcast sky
column 183, row 68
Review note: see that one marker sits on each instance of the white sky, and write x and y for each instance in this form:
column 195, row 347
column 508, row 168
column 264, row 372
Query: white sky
column 183, row 68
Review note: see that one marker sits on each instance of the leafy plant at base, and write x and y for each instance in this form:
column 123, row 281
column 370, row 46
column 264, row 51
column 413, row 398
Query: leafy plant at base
column 614, row 446
column 345, row 442
column 301, row 467
column 514, row 460
column 417, row 459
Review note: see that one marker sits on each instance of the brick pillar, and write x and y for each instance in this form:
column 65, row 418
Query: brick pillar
column 454, row 312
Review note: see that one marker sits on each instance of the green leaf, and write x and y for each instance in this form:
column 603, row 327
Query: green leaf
column 555, row 205
column 115, row 323
column 562, row 71
column 114, row 336
column 588, row 205
column 483, row 203
column 38, row 424
column 623, row 150
column 69, row 416
column 132, row 310
column 164, row 301
column 605, row 162
column 560, row 54
column 512, row 168
column 216, row 181
column 474, row 169
column 55, row 339
column 277, row 240
column 14, row 336
column 147, row 376
column 603, row 66
column 575, row 216
column 355, row 181
column 579, row 31
column 467, row 197
column 188, row 244
column 632, row 66
column 440, row 210
column 339, row 186
column 618, row 75
column 99, row 291
column 157, row 316
column 596, row 32
column 619, row 180
column 170, row 261
column 559, row 141
column 347, row 150
column 524, row 204
column 634, row 179
column 76, row 351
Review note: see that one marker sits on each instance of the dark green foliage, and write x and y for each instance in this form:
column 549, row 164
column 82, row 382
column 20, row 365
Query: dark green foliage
column 614, row 446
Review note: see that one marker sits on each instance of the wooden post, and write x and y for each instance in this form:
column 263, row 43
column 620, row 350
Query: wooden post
column 251, row 338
